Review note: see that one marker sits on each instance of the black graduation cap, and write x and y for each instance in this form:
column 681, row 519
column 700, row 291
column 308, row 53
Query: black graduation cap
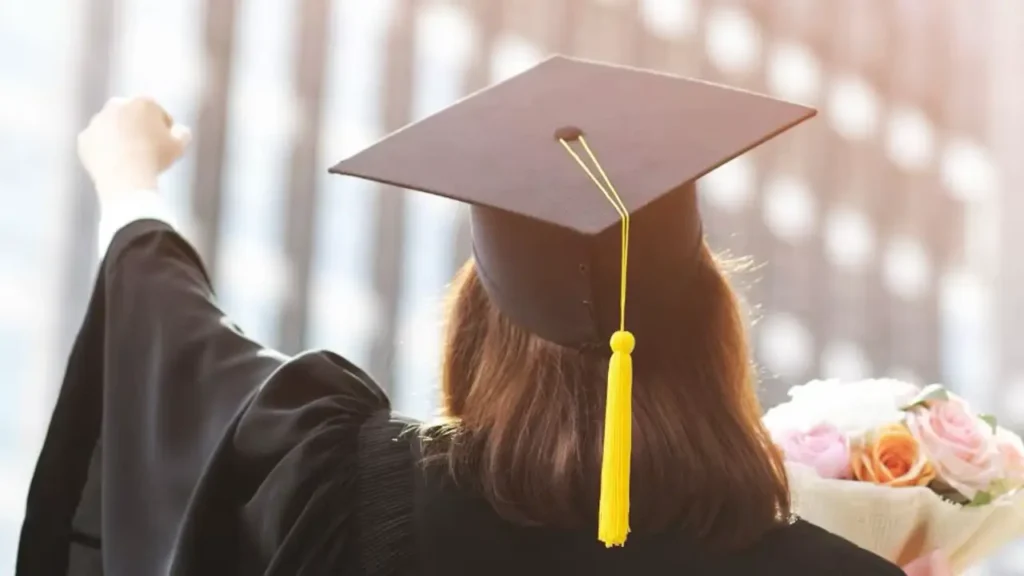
column 556, row 164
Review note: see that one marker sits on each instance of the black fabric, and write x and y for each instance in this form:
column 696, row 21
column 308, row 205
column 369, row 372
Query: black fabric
column 63, row 463
column 207, row 454
column 218, row 455
column 58, row 485
column 386, row 471
column 564, row 285
column 458, row 533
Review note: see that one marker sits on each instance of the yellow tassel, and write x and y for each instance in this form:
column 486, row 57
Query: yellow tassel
column 613, row 511
column 613, row 514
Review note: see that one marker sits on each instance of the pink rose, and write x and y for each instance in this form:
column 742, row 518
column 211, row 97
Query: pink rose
column 1011, row 450
column 823, row 448
column 961, row 446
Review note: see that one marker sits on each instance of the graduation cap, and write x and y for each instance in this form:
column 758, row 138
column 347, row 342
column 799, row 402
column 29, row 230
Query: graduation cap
column 580, row 177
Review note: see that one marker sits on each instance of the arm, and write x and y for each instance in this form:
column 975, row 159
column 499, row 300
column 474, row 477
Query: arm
column 178, row 445
column 176, row 371
column 176, row 375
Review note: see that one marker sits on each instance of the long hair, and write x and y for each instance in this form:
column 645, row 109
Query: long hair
column 524, row 416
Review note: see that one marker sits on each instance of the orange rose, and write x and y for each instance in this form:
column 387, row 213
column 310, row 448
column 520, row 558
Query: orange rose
column 891, row 456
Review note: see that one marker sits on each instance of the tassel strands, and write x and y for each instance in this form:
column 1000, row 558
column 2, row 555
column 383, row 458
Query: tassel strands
column 613, row 509
column 613, row 515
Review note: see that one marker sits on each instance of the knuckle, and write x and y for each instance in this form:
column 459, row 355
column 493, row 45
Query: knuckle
column 146, row 100
column 115, row 102
column 146, row 103
column 150, row 109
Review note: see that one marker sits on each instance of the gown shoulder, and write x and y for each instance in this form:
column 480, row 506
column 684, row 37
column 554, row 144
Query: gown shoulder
column 285, row 480
column 804, row 548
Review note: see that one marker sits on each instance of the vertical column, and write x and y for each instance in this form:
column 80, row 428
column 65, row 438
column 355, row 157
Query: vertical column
column 93, row 81
column 1006, row 122
column 906, row 263
column 798, row 68
column 865, row 207
column 963, row 211
column 211, row 126
column 778, row 228
column 344, row 306
column 1005, row 266
column 252, row 272
column 47, row 235
column 310, row 58
column 563, row 28
column 396, row 92
column 948, row 337
column 445, row 39
column 487, row 19
column 160, row 54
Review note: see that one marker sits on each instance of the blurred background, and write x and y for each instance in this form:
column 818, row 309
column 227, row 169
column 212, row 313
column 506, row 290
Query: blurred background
column 884, row 229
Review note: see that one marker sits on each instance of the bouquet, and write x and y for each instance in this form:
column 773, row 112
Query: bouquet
column 902, row 471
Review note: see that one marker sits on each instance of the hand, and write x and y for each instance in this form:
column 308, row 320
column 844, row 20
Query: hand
column 934, row 564
column 128, row 144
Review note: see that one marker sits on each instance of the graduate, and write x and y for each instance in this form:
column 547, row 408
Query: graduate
column 599, row 413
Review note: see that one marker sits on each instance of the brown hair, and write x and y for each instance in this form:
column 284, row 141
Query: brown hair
column 524, row 420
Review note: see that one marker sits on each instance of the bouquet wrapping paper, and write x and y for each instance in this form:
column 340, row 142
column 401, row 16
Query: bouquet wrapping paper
column 901, row 470
column 901, row 524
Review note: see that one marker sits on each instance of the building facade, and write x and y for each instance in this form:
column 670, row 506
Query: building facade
column 874, row 230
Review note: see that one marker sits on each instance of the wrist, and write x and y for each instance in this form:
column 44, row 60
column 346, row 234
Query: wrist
column 111, row 188
column 124, row 172
column 122, row 209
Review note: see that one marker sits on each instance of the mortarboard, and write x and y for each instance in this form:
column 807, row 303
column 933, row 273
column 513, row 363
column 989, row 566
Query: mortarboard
column 570, row 167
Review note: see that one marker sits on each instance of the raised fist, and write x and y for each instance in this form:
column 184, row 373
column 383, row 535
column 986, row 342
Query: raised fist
column 129, row 143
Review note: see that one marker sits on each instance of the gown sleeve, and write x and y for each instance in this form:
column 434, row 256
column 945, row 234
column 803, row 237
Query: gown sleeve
column 216, row 455
column 281, row 494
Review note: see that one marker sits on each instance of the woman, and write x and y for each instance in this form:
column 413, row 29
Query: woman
column 205, row 453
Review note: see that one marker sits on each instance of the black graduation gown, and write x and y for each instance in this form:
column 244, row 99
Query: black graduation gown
column 179, row 446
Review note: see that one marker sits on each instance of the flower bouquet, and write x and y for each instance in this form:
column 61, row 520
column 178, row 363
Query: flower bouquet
column 902, row 471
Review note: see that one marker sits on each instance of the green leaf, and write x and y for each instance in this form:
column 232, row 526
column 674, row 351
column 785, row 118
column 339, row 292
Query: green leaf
column 981, row 499
column 1000, row 487
column 930, row 393
column 948, row 493
column 990, row 420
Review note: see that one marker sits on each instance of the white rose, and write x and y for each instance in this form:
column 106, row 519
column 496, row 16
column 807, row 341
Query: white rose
column 852, row 407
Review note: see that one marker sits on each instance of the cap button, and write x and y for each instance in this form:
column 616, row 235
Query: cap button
column 568, row 133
